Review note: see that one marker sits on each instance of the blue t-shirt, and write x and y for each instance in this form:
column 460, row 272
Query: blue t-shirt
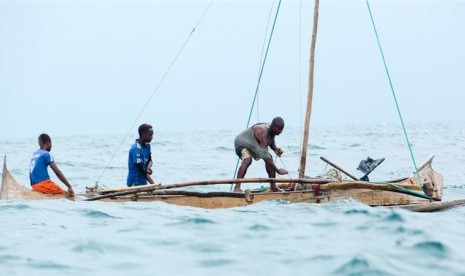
column 138, row 154
column 39, row 163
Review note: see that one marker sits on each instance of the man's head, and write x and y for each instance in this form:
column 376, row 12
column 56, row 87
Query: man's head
column 145, row 133
column 277, row 126
column 45, row 142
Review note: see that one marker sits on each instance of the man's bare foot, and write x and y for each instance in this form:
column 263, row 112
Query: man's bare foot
column 276, row 190
column 238, row 190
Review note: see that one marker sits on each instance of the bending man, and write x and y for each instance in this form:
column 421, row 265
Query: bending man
column 254, row 142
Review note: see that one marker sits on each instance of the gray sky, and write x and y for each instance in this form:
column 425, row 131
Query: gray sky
column 79, row 67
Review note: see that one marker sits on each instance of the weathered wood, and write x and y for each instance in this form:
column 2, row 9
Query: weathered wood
column 224, row 202
column 366, row 185
column 303, row 157
column 216, row 182
column 338, row 168
column 369, row 197
column 324, row 185
column 433, row 206
column 377, row 187
column 197, row 194
column 365, row 192
column 11, row 189
column 149, row 188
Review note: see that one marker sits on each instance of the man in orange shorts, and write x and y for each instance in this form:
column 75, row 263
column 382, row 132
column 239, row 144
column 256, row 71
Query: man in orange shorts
column 38, row 173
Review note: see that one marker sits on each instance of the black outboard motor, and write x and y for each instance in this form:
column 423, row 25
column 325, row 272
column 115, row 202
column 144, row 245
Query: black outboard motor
column 367, row 166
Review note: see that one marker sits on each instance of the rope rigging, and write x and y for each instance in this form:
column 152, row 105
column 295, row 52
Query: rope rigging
column 395, row 97
column 263, row 50
column 157, row 87
column 260, row 76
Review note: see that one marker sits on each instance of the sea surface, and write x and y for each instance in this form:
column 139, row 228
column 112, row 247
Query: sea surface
column 268, row 238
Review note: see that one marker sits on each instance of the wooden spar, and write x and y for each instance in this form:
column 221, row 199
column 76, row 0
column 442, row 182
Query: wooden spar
column 408, row 189
column 339, row 168
column 303, row 157
column 174, row 193
column 325, row 185
column 151, row 187
column 433, row 206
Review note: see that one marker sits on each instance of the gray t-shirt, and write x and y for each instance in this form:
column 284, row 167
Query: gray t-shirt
column 246, row 139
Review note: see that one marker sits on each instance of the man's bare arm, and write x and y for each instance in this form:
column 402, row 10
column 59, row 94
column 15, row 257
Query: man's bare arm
column 149, row 179
column 269, row 161
column 59, row 174
column 62, row 178
column 261, row 134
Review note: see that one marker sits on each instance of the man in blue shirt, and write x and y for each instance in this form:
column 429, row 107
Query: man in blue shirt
column 38, row 173
column 140, row 158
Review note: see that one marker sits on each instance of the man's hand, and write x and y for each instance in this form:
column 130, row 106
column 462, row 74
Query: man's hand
column 282, row 171
column 70, row 191
column 149, row 171
column 278, row 152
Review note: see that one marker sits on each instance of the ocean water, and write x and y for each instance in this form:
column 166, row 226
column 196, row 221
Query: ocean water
column 269, row 238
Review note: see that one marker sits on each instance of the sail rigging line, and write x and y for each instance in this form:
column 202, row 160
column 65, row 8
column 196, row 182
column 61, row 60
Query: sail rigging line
column 263, row 50
column 260, row 76
column 395, row 97
column 284, row 166
column 156, row 88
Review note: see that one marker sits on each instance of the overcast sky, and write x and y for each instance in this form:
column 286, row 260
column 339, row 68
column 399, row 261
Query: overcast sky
column 80, row 67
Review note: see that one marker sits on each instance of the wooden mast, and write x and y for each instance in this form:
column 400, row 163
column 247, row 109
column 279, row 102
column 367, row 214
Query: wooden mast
column 303, row 157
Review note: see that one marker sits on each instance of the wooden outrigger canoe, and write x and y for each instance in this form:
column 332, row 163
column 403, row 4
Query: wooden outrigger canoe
column 405, row 193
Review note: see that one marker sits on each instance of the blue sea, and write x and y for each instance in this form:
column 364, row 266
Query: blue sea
column 268, row 238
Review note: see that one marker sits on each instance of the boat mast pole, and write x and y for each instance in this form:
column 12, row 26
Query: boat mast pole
column 303, row 157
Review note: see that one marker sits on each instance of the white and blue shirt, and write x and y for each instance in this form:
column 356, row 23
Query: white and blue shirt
column 39, row 162
column 138, row 154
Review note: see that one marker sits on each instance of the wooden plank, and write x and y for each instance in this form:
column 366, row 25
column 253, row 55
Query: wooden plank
column 338, row 168
column 216, row 182
column 433, row 206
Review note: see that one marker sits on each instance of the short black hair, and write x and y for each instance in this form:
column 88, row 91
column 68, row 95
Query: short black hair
column 144, row 128
column 44, row 138
column 278, row 121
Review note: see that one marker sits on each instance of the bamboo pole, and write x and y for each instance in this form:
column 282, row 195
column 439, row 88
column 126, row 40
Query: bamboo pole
column 339, row 168
column 216, row 182
column 325, row 185
column 173, row 193
column 303, row 157
column 366, row 185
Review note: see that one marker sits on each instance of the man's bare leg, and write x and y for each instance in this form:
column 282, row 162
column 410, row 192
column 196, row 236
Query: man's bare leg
column 242, row 171
column 272, row 174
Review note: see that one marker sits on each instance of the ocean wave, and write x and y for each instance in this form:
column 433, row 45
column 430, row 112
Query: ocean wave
column 13, row 205
column 358, row 266
column 217, row 262
column 97, row 214
column 223, row 149
column 195, row 221
column 433, row 248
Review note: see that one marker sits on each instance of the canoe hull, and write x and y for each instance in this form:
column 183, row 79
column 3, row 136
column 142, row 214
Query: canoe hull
column 369, row 197
column 367, row 193
column 11, row 189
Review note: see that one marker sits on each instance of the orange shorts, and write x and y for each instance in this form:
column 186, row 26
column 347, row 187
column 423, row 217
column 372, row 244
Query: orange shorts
column 48, row 187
